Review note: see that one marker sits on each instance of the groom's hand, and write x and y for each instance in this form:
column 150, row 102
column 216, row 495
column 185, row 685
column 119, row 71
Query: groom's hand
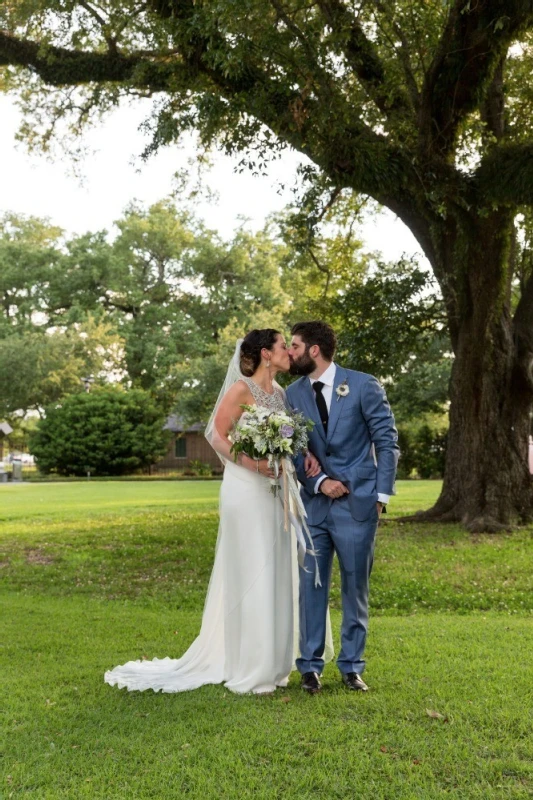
column 333, row 489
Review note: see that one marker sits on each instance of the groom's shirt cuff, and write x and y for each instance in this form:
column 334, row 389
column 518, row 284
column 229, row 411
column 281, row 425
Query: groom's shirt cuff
column 319, row 483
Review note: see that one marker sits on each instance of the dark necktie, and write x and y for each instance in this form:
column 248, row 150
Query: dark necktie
column 321, row 404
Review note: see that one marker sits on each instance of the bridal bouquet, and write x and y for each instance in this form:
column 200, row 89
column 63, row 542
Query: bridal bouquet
column 261, row 433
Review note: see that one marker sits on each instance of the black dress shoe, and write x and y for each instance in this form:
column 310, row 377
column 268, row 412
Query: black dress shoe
column 354, row 682
column 311, row 682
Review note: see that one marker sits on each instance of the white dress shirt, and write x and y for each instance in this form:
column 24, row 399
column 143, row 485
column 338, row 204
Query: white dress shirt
column 328, row 379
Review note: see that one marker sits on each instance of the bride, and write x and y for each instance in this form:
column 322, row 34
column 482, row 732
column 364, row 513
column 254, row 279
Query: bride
column 248, row 624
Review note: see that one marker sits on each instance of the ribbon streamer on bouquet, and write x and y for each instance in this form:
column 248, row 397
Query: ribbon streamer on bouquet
column 298, row 518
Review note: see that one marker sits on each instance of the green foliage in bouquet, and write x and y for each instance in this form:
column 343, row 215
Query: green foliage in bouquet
column 107, row 432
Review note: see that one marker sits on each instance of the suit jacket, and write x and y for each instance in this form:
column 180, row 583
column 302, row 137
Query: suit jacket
column 360, row 448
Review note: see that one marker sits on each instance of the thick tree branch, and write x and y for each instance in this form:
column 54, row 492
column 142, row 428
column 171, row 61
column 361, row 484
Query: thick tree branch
column 353, row 156
column 59, row 66
column 363, row 58
column 363, row 153
column 506, row 175
column 474, row 42
column 493, row 106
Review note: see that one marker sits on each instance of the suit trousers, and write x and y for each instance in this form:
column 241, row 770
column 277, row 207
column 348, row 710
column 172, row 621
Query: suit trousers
column 353, row 541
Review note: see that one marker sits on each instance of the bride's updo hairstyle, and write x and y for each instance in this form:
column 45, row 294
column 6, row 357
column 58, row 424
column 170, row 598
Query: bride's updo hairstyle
column 251, row 347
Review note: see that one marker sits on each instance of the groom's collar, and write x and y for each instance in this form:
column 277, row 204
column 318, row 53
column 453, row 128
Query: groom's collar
column 327, row 377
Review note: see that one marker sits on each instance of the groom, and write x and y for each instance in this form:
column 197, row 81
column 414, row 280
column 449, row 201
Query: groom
column 355, row 440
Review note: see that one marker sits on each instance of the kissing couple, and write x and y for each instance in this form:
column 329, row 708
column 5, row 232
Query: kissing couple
column 263, row 613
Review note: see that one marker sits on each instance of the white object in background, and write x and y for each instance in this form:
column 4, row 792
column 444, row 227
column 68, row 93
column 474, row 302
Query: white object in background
column 16, row 474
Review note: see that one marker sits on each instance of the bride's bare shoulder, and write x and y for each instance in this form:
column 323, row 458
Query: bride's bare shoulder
column 238, row 393
column 230, row 406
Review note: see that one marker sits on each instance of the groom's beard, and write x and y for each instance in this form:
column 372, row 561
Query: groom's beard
column 304, row 365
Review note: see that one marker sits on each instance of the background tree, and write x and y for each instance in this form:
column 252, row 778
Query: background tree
column 29, row 249
column 424, row 106
column 105, row 432
column 144, row 306
column 170, row 287
column 324, row 255
column 392, row 324
column 136, row 281
column 41, row 368
column 43, row 356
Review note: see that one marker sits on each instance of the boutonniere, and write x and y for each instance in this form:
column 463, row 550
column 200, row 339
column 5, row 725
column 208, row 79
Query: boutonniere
column 343, row 390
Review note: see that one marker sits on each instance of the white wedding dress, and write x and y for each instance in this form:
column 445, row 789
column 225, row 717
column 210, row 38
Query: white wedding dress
column 247, row 634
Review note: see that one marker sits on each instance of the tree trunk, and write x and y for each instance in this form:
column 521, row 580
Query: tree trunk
column 487, row 485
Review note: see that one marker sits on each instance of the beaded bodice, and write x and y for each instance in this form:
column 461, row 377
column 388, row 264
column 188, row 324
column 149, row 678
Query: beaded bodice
column 274, row 401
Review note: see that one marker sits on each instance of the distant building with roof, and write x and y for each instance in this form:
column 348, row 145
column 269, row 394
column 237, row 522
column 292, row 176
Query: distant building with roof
column 186, row 445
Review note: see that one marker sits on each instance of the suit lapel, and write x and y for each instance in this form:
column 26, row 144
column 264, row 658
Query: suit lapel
column 310, row 406
column 336, row 401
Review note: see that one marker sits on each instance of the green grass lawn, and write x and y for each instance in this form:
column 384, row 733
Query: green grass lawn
column 74, row 501
column 94, row 574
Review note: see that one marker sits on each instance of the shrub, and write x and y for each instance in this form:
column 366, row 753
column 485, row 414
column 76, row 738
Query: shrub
column 423, row 452
column 108, row 431
column 198, row 468
column 430, row 452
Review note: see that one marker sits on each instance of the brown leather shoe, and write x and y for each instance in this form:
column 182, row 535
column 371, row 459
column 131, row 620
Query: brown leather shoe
column 311, row 682
column 354, row 682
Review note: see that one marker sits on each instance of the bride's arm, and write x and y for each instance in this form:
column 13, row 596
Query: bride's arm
column 229, row 411
column 227, row 415
column 311, row 465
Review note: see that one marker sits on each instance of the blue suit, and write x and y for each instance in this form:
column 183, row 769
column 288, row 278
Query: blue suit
column 360, row 449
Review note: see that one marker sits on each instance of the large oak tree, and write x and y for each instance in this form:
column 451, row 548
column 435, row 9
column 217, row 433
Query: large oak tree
column 424, row 105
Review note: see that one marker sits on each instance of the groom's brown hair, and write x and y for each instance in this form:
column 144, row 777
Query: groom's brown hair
column 317, row 332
